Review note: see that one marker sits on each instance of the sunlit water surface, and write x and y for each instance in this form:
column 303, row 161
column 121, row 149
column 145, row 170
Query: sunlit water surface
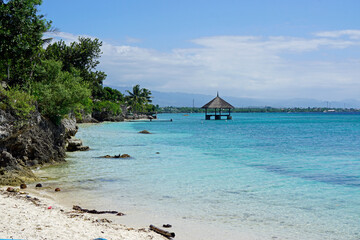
column 285, row 176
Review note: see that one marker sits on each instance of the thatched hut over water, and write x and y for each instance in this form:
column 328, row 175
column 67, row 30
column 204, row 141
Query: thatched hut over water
column 221, row 108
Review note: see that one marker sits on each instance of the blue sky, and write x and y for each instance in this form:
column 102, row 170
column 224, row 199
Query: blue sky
column 258, row 48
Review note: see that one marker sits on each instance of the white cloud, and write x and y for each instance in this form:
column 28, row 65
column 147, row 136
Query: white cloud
column 243, row 66
column 352, row 34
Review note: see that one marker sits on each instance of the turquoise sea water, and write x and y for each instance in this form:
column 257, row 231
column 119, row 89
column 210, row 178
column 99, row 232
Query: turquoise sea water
column 293, row 176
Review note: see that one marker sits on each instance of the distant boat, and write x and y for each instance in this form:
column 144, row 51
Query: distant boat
column 330, row 111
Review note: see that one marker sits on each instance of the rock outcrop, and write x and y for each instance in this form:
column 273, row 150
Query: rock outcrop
column 28, row 143
column 107, row 116
column 74, row 144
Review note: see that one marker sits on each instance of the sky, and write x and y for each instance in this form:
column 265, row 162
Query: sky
column 276, row 49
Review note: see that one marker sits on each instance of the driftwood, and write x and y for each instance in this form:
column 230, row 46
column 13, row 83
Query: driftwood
column 162, row 232
column 78, row 208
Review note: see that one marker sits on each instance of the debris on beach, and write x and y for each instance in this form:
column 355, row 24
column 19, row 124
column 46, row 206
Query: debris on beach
column 39, row 185
column 23, row 186
column 11, row 189
column 44, row 219
column 167, row 225
column 103, row 220
column 117, row 156
column 145, row 132
column 57, row 189
column 84, row 210
column 162, row 232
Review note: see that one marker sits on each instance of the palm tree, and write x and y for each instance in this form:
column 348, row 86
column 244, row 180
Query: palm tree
column 138, row 98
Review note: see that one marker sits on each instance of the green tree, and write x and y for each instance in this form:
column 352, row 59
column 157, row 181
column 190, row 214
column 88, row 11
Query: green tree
column 138, row 98
column 21, row 32
column 20, row 103
column 82, row 55
column 59, row 92
column 113, row 95
column 107, row 106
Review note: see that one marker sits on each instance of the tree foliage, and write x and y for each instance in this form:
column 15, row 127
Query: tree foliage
column 82, row 55
column 138, row 98
column 107, row 106
column 20, row 103
column 62, row 78
column 60, row 92
column 111, row 94
column 21, row 31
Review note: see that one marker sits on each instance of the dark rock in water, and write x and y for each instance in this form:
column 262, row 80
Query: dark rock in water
column 145, row 132
column 57, row 189
column 157, row 152
column 117, row 156
column 74, row 144
column 83, row 148
column 39, row 185
column 167, row 226
column 23, row 186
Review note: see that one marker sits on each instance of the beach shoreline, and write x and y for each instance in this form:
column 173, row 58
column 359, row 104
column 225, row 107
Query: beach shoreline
column 136, row 218
column 37, row 213
column 27, row 215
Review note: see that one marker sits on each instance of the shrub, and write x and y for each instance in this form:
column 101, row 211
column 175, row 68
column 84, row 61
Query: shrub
column 21, row 103
column 107, row 106
column 59, row 92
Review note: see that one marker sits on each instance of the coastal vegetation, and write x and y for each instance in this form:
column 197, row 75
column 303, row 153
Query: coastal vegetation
column 55, row 77
column 46, row 86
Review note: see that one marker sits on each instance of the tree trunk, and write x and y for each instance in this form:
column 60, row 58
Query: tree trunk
column 8, row 72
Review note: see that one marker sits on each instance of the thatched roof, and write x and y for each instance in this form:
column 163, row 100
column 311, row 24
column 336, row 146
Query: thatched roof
column 218, row 102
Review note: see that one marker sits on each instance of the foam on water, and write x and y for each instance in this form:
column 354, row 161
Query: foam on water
column 290, row 176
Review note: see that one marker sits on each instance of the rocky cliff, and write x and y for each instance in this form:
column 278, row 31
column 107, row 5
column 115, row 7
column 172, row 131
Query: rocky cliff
column 25, row 144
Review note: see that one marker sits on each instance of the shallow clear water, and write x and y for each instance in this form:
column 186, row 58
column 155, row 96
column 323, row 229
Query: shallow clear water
column 295, row 176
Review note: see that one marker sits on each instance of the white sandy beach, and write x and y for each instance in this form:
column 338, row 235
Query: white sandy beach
column 22, row 217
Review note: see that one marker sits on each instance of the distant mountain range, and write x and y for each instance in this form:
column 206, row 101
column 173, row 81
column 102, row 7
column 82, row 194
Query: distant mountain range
column 178, row 99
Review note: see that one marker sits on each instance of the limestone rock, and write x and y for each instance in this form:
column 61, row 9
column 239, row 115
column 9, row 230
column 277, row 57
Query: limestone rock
column 25, row 143
column 74, row 144
column 107, row 116
column 69, row 124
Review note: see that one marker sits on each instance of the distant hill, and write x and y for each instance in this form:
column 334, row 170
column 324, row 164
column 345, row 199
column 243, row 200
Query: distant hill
column 178, row 99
